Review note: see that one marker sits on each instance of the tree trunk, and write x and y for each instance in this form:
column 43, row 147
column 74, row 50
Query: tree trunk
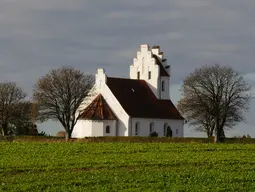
column 219, row 135
column 68, row 135
column 1, row 131
column 5, row 129
column 216, row 137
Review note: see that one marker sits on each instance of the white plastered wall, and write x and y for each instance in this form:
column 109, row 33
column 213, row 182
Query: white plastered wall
column 144, row 124
column 83, row 128
column 145, row 63
column 98, row 128
column 112, row 124
column 88, row 128
column 165, row 94
column 122, row 116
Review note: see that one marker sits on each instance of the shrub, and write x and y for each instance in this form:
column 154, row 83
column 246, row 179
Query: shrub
column 42, row 133
column 248, row 136
column 61, row 134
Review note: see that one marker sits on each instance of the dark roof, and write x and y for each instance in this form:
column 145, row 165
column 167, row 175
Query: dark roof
column 138, row 100
column 162, row 70
column 98, row 109
column 156, row 47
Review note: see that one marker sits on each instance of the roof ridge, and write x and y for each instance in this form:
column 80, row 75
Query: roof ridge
column 101, row 105
column 126, row 78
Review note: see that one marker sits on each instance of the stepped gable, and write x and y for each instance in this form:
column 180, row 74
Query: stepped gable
column 162, row 70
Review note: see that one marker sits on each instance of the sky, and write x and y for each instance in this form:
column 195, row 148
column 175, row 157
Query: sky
column 39, row 35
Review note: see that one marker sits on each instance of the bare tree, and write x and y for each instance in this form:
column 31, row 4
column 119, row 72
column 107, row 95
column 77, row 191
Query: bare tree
column 10, row 98
column 22, row 118
column 59, row 94
column 200, row 120
column 214, row 98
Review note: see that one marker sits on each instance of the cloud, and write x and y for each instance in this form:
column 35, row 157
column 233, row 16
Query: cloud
column 44, row 5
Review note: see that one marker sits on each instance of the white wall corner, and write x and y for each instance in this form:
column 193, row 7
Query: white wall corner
column 155, row 51
column 145, row 48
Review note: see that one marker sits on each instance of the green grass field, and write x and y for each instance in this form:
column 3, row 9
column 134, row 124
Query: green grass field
column 38, row 166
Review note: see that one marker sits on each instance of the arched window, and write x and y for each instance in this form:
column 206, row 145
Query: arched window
column 149, row 75
column 107, row 129
column 163, row 85
column 138, row 75
column 137, row 128
column 151, row 127
column 177, row 131
column 165, row 129
column 169, row 132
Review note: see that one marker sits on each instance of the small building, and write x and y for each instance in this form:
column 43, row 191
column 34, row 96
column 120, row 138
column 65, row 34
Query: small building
column 132, row 107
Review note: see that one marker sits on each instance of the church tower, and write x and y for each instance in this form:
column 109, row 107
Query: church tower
column 151, row 66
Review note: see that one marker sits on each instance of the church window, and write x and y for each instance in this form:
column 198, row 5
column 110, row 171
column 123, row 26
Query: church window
column 151, row 127
column 149, row 75
column 138, row 75
column 165, row 129
column 169, row 132
column 177, row 131
column 163, row 85
column 107, row 129
column 137, row 128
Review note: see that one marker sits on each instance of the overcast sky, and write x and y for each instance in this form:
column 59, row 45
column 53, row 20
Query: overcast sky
column 38, row 35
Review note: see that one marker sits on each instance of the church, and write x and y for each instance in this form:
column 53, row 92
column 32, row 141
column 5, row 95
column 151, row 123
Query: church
column 138, row 106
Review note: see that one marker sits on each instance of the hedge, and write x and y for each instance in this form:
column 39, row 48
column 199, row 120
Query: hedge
column 123, row 139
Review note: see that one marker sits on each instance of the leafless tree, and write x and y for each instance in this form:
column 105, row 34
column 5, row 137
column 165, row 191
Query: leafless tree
column 59, row 94
column 11, row 96
column 214, row 98
column 22, row 119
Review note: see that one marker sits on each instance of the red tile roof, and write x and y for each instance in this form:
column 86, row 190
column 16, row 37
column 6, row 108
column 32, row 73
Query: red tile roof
column 162, row 70
column 98, row 110
column 138, row 100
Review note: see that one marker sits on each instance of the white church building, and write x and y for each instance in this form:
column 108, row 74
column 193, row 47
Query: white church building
column 132, row 107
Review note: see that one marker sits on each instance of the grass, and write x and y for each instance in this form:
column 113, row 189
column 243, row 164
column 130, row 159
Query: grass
column 79, row 166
